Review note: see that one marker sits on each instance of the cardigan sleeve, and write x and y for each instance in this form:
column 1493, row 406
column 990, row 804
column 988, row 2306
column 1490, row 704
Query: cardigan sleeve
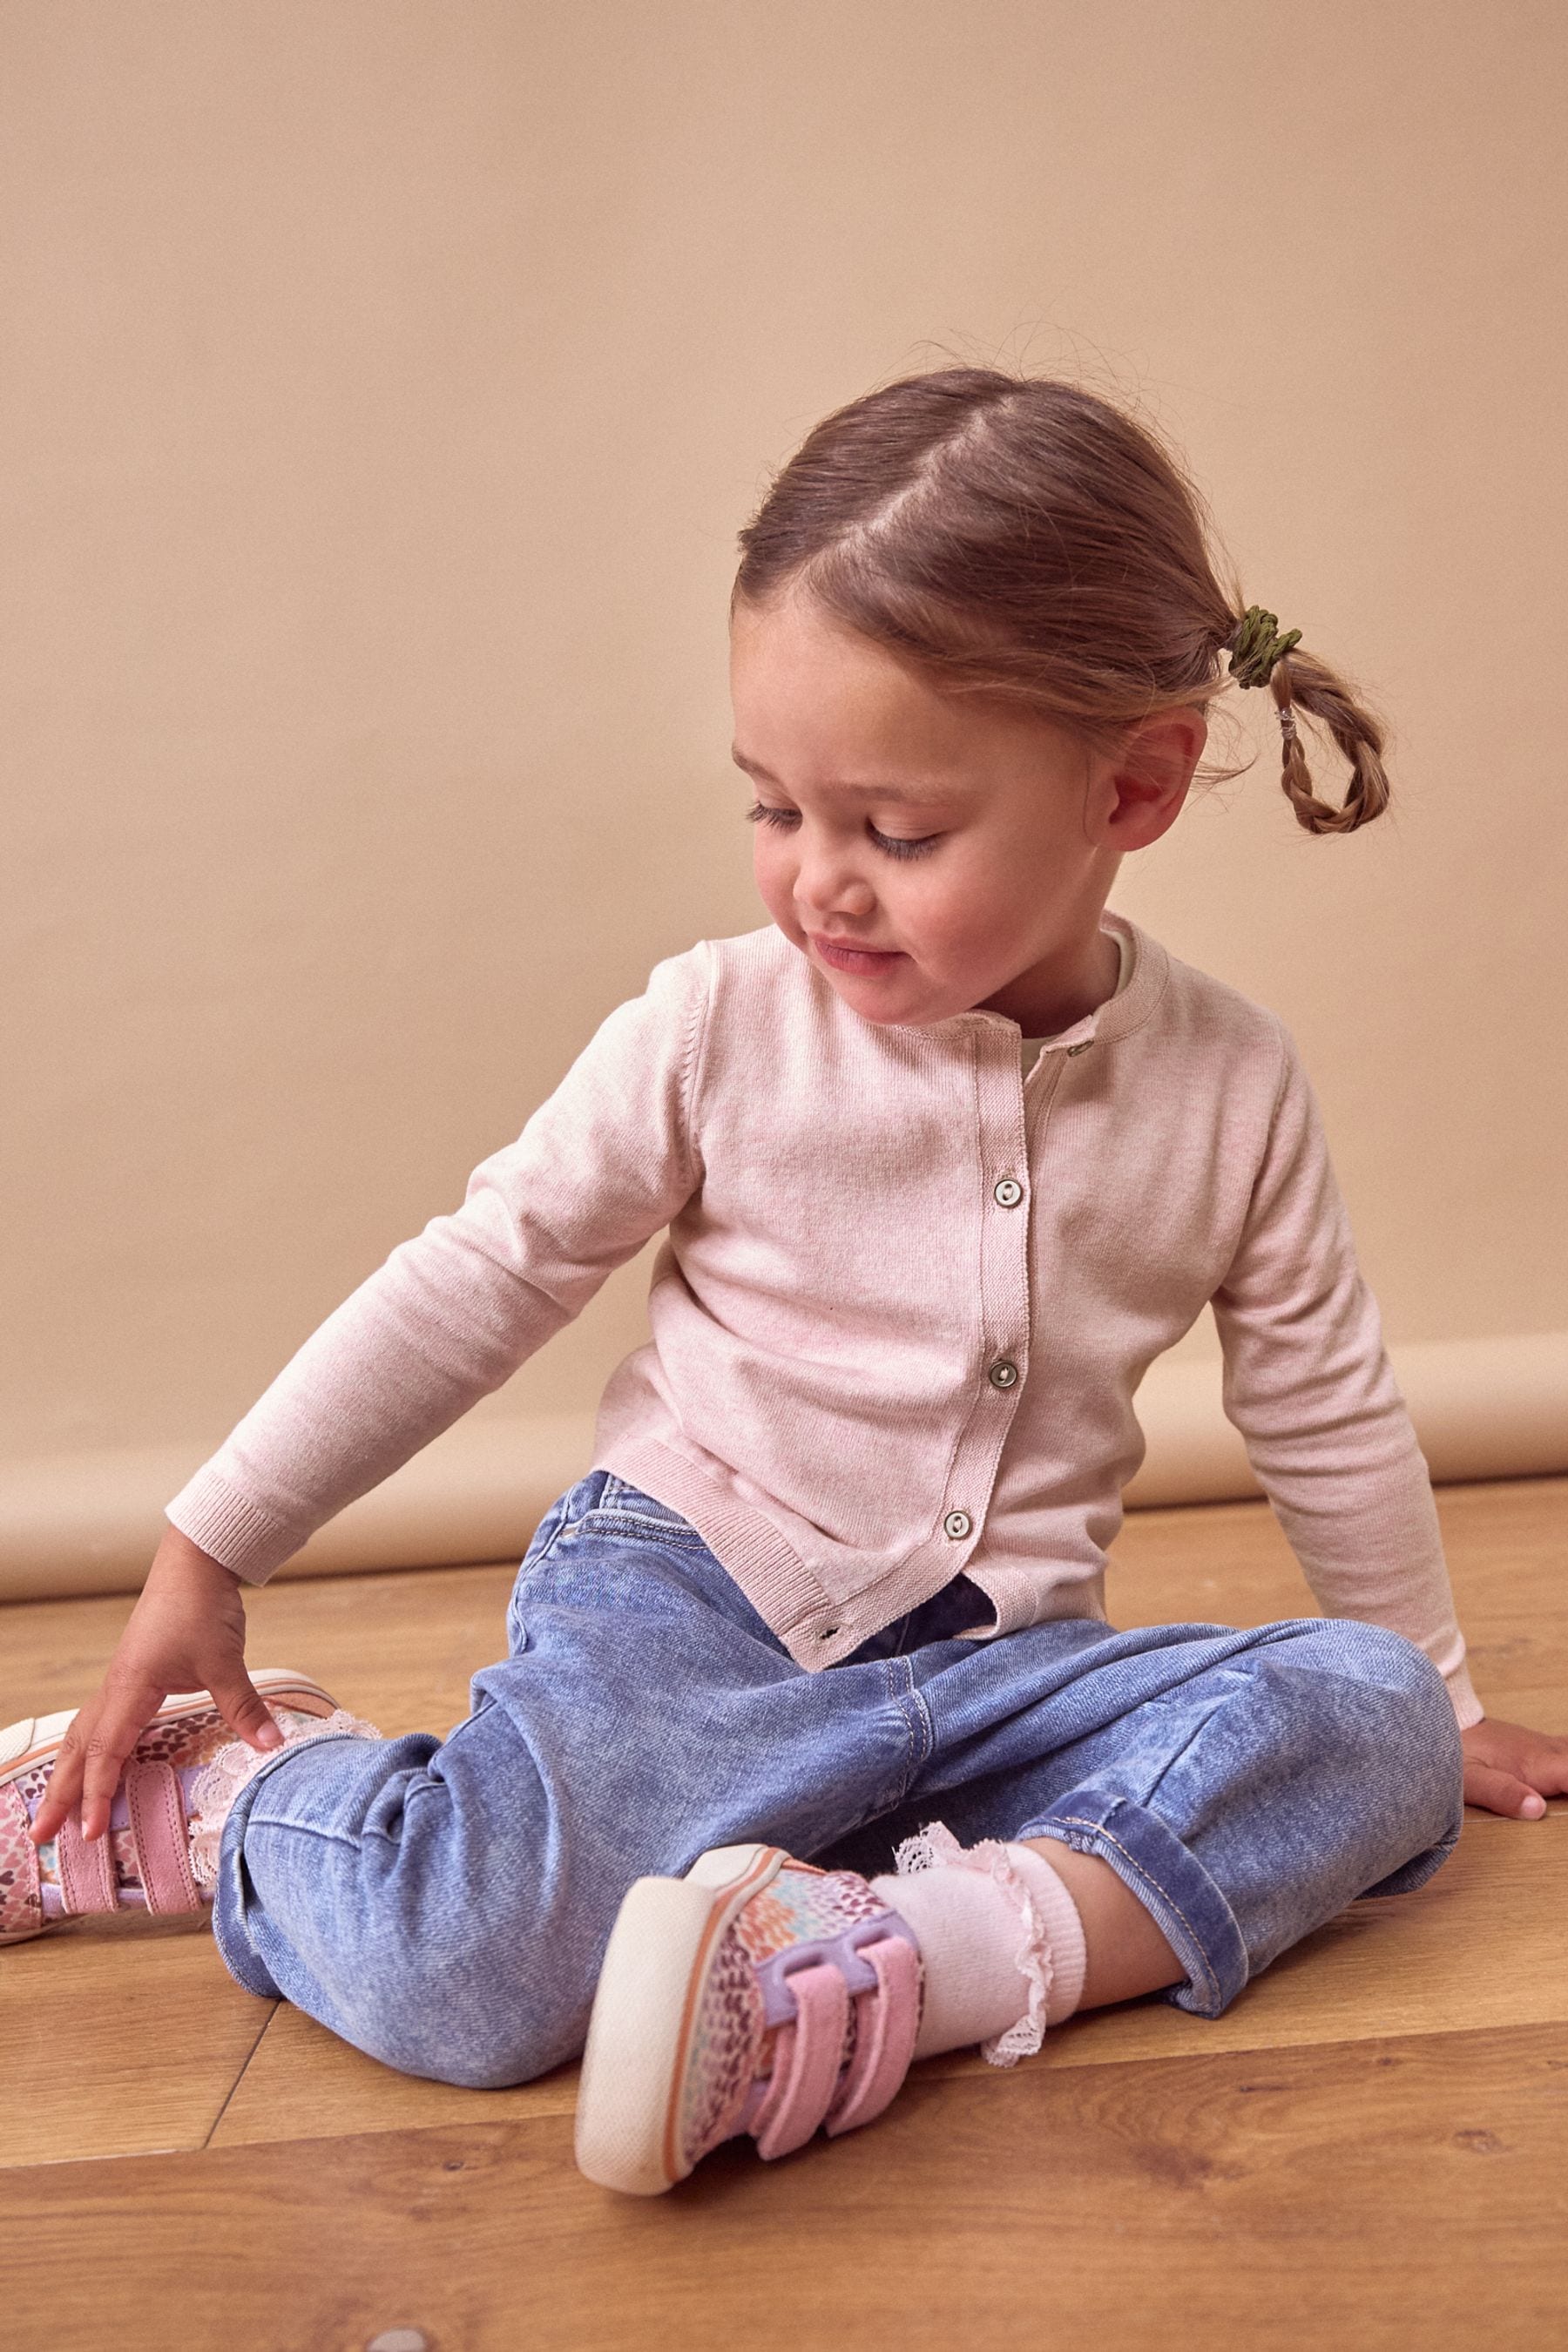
column 603, row 1164
column 1309, row 1384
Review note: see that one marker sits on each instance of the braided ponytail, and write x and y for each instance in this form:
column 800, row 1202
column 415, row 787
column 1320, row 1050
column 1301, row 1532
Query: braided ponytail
column 1260, row 656
column 1299, row 681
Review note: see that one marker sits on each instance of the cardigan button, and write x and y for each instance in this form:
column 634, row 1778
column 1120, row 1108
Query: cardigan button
column 1003, row 1373
column 1008, row 1192
column 957, row 1525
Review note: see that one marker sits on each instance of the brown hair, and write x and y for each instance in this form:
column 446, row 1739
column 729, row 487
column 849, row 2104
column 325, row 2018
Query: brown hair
column 1022, row 538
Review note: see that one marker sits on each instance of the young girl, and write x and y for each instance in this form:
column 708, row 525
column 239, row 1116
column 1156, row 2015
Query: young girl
column 947, row 1154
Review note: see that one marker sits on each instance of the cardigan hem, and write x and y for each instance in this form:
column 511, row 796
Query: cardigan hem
column 770, row 1573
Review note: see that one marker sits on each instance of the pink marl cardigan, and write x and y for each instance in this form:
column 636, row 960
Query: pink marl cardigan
column 903, row 1302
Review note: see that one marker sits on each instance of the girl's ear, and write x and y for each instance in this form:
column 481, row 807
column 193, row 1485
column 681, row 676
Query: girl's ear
column 1144, row 783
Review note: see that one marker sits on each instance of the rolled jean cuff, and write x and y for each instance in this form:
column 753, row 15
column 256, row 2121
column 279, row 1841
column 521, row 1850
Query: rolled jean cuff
column 1175, row 1888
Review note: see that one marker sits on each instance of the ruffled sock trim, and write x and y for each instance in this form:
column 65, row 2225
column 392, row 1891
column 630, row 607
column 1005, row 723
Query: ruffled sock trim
column 935, row 1847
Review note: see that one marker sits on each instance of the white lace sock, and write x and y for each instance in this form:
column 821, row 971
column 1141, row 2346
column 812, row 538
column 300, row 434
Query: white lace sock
column 1001, row 1939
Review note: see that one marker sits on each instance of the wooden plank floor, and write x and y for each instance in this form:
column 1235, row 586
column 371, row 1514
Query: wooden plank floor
column 1370, row 2149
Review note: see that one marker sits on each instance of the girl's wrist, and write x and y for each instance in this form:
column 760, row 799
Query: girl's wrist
column 177, row 1559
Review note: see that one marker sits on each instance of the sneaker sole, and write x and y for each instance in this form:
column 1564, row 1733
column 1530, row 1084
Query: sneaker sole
column 655, row 1970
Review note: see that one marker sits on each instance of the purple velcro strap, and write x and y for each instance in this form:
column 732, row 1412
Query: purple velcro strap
column 843, row 1952
column 159, row 1835
column 87, row 1872
column 807, row 2057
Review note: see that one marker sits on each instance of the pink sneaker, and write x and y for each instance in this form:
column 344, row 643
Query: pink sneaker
column 161, row 1851
column 755, row 1995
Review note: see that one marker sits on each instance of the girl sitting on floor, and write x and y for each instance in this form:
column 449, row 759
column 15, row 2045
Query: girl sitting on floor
column 813, row 1750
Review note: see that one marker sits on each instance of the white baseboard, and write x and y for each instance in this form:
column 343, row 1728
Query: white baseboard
column 1488, row 1407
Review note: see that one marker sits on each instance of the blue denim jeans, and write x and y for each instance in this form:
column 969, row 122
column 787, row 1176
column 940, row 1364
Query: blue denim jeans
column 445, row 1904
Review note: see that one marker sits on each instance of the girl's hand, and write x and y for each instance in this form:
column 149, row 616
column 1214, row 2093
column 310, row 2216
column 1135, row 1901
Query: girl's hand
column 1509, row 1770
column 186, row 1633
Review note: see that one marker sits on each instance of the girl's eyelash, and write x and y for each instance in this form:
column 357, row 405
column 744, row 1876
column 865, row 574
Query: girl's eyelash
column 760, row 813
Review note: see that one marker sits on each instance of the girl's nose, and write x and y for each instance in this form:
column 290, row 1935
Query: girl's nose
column 827, row 885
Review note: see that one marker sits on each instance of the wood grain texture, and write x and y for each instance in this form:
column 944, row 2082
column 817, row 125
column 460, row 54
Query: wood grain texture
column 1388, row 2197
column 302, row 2083
column 403, row 1646
column 117, row 2038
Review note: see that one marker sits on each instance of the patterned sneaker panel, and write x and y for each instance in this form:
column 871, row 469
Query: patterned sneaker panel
column 210, row 1765
column 734, row 2039
column 729, row 2046
column 804, row 1905
column 21, row 1897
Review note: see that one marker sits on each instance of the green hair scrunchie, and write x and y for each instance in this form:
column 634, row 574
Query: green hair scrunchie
column 1257, row 645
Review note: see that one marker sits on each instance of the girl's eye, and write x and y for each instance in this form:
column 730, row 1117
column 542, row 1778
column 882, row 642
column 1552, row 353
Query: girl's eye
column 898, row 847
column 895, row 848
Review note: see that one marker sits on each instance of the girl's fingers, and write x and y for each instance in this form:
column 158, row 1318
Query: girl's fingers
column 245, row 1711
column 98, row 1744
column 1500, row 1792
column 123, row 1716
column 1548, row 1770
column 65, row 1787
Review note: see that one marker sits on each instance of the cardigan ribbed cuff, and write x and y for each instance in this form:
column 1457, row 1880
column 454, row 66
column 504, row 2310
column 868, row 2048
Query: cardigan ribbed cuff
column 1462, row 1691
column 230, row 1530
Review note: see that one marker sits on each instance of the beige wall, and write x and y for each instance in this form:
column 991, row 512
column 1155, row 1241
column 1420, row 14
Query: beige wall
column 386, row 380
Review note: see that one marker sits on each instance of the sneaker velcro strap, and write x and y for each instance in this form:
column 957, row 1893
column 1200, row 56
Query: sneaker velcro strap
column 160, row 1837
column 887, row 2022
column 87, row 1872
column 807, row 2057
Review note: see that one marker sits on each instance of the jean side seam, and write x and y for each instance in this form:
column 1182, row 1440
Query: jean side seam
column 904, row 1699
column 917, row 1714
column 1098, row 1830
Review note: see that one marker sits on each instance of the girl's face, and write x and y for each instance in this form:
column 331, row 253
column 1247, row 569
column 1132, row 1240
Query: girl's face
column 932, row 855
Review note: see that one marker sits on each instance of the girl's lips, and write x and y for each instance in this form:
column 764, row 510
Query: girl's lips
column 849, row 959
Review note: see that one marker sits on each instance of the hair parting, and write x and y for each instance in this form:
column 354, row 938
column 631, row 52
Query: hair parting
column 1023, row 539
